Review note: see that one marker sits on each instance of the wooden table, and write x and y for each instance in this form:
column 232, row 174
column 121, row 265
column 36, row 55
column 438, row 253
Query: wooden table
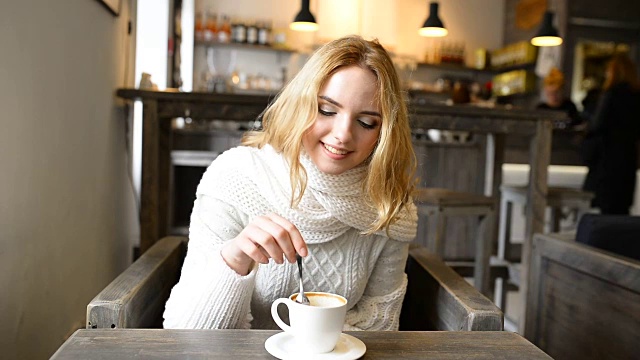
column 249, row 344
column 536, row 126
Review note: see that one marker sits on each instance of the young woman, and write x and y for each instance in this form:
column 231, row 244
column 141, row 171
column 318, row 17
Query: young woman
column 611, row 147
column 328, row 177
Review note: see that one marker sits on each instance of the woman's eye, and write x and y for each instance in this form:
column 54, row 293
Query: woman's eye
column 325, row 112
column 366, row 124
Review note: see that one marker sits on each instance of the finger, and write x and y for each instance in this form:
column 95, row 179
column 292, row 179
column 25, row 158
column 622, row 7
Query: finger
column 264, row 252
column 252, row 241
column 277, row 242
column 253, row 250
column 280, row 234
column 299, row 245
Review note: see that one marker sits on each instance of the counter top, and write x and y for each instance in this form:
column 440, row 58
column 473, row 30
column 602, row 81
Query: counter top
column 174, row 95
column 417, row 111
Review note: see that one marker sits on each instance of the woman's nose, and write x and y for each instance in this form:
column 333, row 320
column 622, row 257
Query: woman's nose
column 342, row 129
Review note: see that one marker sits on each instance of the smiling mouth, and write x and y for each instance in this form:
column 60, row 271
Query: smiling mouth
column 333, row 150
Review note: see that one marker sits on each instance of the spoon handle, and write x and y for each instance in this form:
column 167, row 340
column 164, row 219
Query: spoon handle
column 301, row 297
column 299, row 260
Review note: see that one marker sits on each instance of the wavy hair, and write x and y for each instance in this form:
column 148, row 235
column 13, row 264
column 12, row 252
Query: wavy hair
column 390, row 179
column 621, row 69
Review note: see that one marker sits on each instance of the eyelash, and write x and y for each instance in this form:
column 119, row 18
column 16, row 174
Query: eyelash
column 362, row 123
column 365, row 125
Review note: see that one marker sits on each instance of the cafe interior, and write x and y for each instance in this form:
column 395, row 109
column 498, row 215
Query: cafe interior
column 114, row 109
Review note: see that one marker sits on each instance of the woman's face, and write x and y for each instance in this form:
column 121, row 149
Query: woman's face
column 348, row 123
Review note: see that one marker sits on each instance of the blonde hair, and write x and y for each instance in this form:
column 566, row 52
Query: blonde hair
column 554, row 78
column 390, row 180
column 620, row 69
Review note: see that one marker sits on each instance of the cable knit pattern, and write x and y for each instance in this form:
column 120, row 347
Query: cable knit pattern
column 246, row 182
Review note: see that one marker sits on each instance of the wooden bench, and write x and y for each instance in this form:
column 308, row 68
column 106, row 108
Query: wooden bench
column 583, row 302
column 437, row 298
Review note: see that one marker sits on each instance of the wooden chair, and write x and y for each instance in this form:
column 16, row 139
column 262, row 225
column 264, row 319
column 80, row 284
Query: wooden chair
column 583, row 302
column 510, row 253
column 557, row 198
column 136, row 298
column 437, row 298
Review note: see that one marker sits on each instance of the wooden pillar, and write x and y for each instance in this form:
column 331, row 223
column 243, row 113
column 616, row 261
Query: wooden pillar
column 150, row 187
column 540, row 155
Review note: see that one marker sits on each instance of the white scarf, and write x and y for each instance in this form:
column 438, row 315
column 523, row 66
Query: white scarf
column 256, row 181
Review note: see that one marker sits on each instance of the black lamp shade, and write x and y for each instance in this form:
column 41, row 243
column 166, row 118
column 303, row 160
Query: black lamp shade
column 433, row 26
column 433, row 20
column 547, row 35
column 304, row 21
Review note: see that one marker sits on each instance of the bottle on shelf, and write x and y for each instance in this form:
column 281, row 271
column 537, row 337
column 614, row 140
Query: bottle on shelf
column 211, row 27
column 264, row 33
column 238, row 31
column 252, row 32
column 199, row 27
column 224, row 32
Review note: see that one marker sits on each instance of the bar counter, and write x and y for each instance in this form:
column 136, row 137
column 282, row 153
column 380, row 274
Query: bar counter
column 159, row 107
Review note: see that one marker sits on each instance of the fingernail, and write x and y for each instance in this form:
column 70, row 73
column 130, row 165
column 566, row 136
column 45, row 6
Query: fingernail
column 304, row 252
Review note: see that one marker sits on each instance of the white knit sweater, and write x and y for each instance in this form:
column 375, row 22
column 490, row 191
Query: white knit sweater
column 246, row 182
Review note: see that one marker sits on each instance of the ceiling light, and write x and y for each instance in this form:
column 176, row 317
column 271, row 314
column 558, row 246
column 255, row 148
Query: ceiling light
column 433, row 26
column 547, row 34
column 304, row 21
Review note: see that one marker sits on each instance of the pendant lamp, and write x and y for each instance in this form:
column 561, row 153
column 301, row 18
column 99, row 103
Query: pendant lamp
column 304, row 21
column 547, row 34
column 433, row 26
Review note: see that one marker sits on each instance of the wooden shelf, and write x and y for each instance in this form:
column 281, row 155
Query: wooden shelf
column 453, row 67
column 241, row 46
column 518, row 95
column 528, row 66
column 488, row 71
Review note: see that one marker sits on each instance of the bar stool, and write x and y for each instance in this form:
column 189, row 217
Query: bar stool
column 438, row 204
column 557, row 198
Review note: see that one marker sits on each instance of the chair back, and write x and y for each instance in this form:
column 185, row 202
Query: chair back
column 619, row 234
column 583, row 303
column 136, row 298
column 437, row 298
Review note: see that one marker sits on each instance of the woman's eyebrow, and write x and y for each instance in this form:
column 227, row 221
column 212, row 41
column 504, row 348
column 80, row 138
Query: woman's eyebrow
column 328, row 99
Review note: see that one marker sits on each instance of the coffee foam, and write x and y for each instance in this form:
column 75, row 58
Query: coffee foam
column 322, row 300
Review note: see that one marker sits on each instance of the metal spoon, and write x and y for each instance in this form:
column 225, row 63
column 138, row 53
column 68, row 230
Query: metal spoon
column 301, row 298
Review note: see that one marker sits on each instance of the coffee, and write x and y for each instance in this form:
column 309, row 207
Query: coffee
column 322, row 299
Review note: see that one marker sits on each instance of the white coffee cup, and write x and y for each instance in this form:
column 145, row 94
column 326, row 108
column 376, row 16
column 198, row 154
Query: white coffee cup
column 316, row 328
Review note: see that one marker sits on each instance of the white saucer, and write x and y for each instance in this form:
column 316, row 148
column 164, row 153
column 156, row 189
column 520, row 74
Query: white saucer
column 282, row 346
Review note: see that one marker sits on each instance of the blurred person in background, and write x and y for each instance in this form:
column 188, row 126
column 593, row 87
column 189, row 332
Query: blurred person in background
column 590, row 100
column 554, row 98
column 610, row 148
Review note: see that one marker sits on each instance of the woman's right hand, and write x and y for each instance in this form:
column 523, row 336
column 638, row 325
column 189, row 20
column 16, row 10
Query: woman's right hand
column 268, row 236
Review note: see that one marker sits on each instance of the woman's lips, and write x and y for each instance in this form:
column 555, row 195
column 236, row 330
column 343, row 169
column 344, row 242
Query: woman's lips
column 334, row 150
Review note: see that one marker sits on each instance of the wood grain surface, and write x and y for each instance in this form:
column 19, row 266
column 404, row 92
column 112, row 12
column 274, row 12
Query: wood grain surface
column 249, row 344
column 584, row 303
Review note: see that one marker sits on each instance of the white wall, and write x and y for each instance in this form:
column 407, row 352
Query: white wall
column 67, row 214
column 478, row 23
